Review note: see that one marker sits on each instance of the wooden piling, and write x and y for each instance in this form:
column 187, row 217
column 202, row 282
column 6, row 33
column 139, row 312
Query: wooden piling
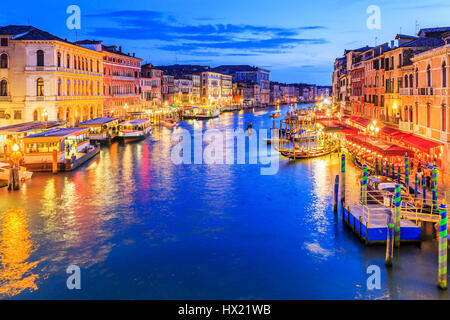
column 434, row 188
column 416, row 185
column 343, row 178
column 54, row 162
column 336, row 193
column 364, row 185
column 397, row 203
column 389, row 241
column 407, row 173
column 442, row 273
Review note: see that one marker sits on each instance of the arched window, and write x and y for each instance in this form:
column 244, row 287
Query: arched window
column 35, row 115
column 444, row 75
column 68, row 61
column 40, row 87
column 91, row 65
column 98, row 66
column 40, row 58
column 59, row 60
column 411, row 80
column 406, row 81
column 4, row 61
column 74, row 62
column 68, row 87
column 429, row 76
column 3, row 88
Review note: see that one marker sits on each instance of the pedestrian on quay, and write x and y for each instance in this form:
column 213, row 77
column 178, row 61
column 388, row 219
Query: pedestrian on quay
column 428, row 181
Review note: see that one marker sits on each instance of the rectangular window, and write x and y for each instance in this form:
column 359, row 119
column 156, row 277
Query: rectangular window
column 444, row 118
column 17, row 115
column 2, row 114
column 4, row 42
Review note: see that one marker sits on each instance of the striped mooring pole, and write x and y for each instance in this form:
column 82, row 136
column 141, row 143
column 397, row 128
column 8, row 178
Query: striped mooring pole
column 343, row 178
column 376, row 166
column 382, row 167
column 424, row 192
column 399, row 172
column 393, row 172
column 407, row 173
column 390, row 240
column 397, row 202
column 387, row 169
column 416, row 185
column 364, row 185
column 442, row 276
column 434, row 188
column 336, row 193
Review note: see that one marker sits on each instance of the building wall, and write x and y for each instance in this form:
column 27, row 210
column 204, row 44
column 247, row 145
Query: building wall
column 71, row 92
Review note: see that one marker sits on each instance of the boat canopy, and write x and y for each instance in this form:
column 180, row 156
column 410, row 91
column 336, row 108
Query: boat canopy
column 98, row 121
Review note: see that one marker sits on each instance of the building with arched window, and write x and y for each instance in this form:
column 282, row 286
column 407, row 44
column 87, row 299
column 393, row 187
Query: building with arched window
column 56, row 82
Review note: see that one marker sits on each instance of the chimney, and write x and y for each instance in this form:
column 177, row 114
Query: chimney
column 134, row 55
column 392, row 44
column 120, row 48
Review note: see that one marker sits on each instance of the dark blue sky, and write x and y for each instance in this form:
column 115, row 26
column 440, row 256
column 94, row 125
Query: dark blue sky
column 297, row 40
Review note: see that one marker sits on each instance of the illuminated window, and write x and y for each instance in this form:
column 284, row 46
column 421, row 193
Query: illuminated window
column 40, row 87
column 3, row 88
column 4, row 61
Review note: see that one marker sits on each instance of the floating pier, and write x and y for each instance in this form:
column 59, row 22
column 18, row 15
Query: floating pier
column 370, row 223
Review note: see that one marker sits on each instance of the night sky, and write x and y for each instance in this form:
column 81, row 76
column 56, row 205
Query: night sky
column 297, row 40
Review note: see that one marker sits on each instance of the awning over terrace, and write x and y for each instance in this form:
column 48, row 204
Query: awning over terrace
column 378, row 146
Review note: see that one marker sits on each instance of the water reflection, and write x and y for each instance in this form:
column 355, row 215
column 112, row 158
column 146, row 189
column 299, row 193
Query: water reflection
column 17, row 270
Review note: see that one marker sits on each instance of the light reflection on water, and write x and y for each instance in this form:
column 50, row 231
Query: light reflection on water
column 140, row 227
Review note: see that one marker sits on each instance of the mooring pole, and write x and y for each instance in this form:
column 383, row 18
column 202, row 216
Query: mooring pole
column 387, row 169
column 343, row 178
column 382, row 167
column 424, row 192
column 407, row 173
column 416, row 185
column 399, row 172
column 390, row 240
column 434, row 188
column 442, row 275
column 364, row 185
column 393, row 172
column 376, row 166
column 397, row 202
column 336, row 193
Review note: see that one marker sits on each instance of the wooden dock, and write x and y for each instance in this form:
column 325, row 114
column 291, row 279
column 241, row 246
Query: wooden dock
column 370, row 224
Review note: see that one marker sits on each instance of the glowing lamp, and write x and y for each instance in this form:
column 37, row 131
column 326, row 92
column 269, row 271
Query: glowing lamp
column 15, row 148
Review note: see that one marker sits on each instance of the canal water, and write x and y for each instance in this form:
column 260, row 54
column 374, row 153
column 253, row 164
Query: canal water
column 141, row 227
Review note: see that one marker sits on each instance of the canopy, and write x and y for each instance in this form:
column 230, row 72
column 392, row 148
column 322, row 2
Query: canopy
column 419, row 143
column 379, row 146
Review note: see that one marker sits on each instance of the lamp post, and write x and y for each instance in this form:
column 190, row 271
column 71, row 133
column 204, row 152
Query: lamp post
column 16, row 157
column 373, row 129
column 44, row 116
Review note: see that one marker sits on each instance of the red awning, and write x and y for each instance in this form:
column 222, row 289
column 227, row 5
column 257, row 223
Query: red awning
column 422, row 144
column 388, row 131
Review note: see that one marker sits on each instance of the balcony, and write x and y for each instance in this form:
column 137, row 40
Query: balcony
column 425, row 91
column 5, row 99
column 406, row 126
column 406, row 91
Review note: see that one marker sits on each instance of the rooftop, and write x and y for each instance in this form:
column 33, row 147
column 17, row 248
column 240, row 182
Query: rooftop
column 30, row 126
column 61, row 132
column 98, row 121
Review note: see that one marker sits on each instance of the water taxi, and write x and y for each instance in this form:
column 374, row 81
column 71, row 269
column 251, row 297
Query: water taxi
column 207, row 114
column 134, row 130
column 169, row 122
column 303, row 153
column 102, row 130
column 63, row 148
column 275, row 114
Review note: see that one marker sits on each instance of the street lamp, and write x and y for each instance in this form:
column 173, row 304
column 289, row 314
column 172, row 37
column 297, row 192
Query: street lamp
column 44, row 115
column 16, row 157
column 373, row 129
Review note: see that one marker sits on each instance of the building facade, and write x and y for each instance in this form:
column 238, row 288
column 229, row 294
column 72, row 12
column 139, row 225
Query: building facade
column 45, row 78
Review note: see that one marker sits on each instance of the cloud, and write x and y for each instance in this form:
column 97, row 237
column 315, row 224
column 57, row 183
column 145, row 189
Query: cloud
column 205, row 38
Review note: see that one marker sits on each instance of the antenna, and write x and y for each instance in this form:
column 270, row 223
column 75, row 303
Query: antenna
column 417, row 26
